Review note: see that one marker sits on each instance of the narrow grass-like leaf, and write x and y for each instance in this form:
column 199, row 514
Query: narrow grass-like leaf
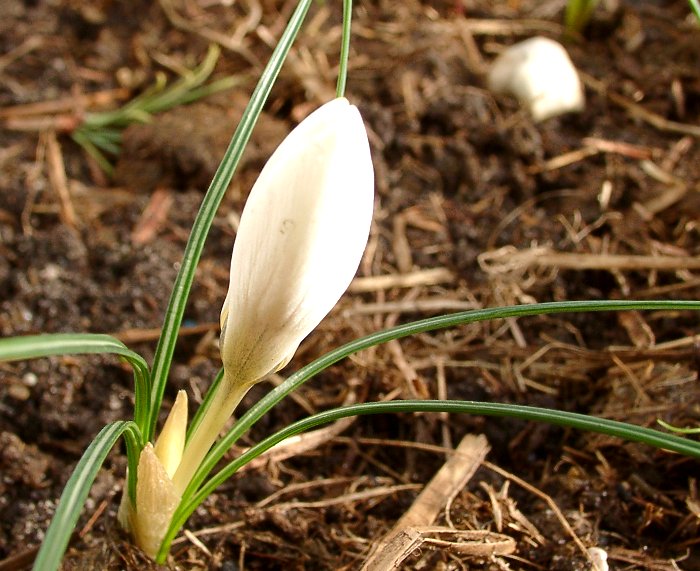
column 210, row 204
column 76, row 492
column 161, row 96
column 134, row 445
column 578, row 13
column 47, row 345
column 100, row 132
column 304, row 374
column 677, row 429
column 104, row 140
column 622, row 430
column 91, row 149
column 194, row 94
column 441, row 322
column 695, row 7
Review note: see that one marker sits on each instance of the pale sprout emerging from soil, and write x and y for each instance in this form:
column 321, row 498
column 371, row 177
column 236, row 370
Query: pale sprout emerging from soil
column 156, row 497
column 540, row 74
column 302, row 234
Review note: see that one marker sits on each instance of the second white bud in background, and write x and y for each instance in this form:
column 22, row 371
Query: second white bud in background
column 540, row 74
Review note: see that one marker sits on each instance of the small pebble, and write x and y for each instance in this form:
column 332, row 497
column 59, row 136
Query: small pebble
column 50, row 272
column 599, row 559
column 30, row 379
column 18, row 392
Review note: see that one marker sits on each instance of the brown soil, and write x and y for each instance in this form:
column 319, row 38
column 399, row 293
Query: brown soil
column 466, row 183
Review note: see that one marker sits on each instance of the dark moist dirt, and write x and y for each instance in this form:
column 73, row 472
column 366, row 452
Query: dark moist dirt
column 465, row 181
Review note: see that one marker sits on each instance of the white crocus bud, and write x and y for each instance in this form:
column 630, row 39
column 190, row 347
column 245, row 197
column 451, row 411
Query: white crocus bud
column 300, row 240
column 540, row 74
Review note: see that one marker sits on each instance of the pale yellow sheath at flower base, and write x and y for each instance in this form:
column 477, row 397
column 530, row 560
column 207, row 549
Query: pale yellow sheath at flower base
column 156, row 497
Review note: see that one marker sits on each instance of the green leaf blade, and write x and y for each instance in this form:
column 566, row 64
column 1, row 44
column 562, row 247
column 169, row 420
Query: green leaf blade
column 46, row 345
column 695, row 7
column 75, row 494
column 294, row 381
column 578, row 421
column 54, row 344
column 196, row 492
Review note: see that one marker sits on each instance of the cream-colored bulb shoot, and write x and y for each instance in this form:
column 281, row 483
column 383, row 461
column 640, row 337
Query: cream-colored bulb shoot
column 156, row 501
column 156, row 496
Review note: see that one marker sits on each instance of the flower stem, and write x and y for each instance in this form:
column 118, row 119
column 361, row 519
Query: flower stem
column 224, row 402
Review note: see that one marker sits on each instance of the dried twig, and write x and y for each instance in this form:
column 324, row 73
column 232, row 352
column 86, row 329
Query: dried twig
column 550, row 502
column 59, row 182
column 70, row 104
column 419, row 278
column 639, row 112
column 26, row 47
column 509, row 259
column 129, row 336
column 446, row 484
column 153, row 217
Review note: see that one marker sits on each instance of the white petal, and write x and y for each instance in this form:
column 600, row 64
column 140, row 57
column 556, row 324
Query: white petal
column 540, row 74
column 301, row 237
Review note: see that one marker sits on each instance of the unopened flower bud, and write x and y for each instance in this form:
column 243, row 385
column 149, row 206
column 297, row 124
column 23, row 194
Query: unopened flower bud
column 300, row 240
column 156, row 497
column 540, row 74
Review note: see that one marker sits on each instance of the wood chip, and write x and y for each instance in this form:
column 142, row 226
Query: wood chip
column 440, row 491
column 59, row 181
column 509, row 259
column 153, row 217
column 432, row 276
